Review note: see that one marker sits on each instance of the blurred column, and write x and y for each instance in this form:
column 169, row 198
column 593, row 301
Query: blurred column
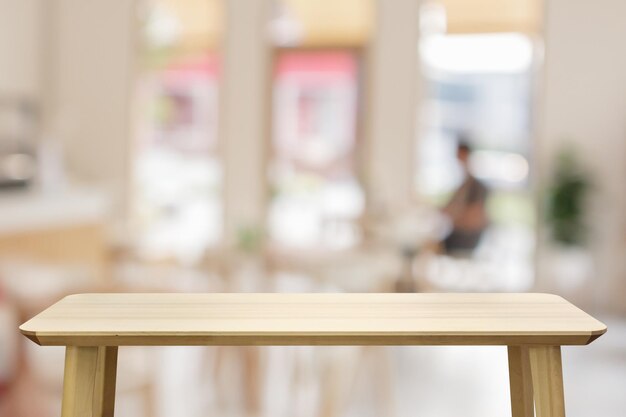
column 582, row 109
column 92, row 66
column 245, row 104
column 392, row 107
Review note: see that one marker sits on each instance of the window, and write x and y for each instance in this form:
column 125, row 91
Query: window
column 480, row 87
column 176, row 195
column 316, row 195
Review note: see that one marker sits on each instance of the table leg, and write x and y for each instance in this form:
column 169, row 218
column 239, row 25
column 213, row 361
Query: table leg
column 89, row 381
column 520, row 381
column 547, row 376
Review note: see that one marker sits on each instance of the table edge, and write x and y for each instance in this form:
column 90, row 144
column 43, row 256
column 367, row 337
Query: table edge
column 311, row 339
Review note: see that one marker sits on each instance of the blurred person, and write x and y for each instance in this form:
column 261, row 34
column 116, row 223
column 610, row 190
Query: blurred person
column 466, row 209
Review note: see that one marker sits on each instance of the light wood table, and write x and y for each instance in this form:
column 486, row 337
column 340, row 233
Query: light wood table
column 533, row 326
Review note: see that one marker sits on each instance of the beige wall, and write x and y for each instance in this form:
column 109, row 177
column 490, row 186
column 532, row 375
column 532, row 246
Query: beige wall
column 20, row 34
column 90, row 71
column 585, row 106
column 75, row 57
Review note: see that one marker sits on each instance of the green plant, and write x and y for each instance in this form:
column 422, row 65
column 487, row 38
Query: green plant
column 250, row 239
column 566, row 201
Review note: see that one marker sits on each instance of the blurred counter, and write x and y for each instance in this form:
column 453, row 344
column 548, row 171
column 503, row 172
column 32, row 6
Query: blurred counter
column 66, row 227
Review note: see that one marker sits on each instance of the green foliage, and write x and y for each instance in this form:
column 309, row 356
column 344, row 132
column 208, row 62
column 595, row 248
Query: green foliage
column 250, row 239
column 566, row 201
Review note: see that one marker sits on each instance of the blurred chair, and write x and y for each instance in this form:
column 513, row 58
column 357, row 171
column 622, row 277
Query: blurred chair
column 39, row 372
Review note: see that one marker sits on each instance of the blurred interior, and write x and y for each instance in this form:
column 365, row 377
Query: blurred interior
column 310, row 146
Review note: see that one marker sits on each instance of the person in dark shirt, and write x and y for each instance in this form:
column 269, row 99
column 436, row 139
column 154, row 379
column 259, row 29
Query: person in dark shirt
column 466, row 208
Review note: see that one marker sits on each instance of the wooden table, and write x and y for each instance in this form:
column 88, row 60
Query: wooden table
column 533, row 326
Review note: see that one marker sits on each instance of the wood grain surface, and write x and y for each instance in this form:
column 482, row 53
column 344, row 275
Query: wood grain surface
column 312, row 319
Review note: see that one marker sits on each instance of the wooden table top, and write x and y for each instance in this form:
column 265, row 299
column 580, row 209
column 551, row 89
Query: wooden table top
column 312, row 319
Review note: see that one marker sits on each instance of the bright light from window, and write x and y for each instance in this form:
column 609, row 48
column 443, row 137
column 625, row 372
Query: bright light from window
column 162, row 28
column 505, row 167
column 483, row 53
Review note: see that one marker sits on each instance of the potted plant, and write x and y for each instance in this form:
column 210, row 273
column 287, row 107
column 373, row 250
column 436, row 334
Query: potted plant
column 570, row 261
column 566, row 201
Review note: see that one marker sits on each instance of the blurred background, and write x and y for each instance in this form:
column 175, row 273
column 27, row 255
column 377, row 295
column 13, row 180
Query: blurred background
column 312, row 146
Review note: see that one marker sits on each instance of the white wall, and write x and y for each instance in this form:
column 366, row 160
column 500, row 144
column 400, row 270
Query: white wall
column 584, row 105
